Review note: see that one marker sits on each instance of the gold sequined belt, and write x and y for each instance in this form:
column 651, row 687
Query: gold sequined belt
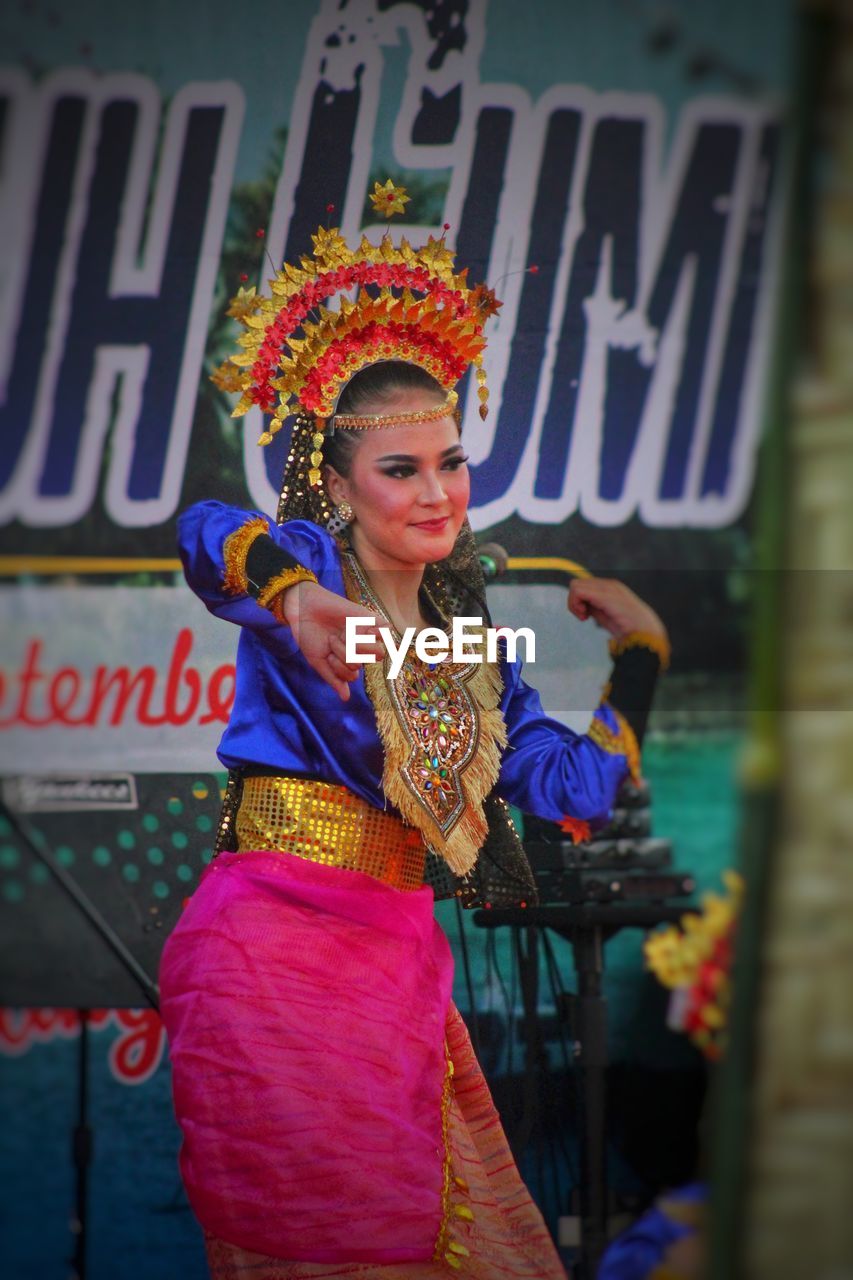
column 325, row 823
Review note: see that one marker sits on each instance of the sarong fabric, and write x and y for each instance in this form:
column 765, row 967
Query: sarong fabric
column 310, row 1028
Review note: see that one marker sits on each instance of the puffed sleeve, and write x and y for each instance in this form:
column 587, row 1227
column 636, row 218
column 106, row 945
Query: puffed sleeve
column 554, row 773
column 235, row 561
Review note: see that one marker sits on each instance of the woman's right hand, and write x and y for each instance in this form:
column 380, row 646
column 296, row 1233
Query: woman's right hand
column 317, row 618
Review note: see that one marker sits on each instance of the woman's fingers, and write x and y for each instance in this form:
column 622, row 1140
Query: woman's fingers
column 578, row 598
column 368, row 645
column 341, row 670
column 601, row 599
column 338, row 647
column 319, row 619
column 612, row 605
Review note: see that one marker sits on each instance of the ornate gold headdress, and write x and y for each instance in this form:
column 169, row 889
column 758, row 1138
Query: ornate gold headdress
column 296, row 355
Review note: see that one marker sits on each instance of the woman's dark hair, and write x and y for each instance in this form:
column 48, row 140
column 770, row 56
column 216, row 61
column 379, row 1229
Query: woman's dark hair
column 366, row 392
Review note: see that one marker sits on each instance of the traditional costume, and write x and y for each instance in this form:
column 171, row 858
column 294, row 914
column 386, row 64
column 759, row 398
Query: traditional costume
column 335, row 1120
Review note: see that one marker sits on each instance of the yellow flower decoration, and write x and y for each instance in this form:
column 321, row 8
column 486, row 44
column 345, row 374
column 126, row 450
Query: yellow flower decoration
column 675, row 955
column 483, row 298
column 694, row 962
column 244, row 303
column 389, row 199
column 329, row 245
column 226, row 377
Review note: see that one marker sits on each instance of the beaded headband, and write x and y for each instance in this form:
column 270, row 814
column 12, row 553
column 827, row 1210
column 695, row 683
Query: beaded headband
column 296, row 355
column 347, row 421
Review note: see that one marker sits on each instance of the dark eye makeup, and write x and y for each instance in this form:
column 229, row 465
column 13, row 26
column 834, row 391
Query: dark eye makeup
column 402, row 470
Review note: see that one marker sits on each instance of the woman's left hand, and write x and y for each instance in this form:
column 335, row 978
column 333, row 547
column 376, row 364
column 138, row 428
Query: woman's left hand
column 614, row 607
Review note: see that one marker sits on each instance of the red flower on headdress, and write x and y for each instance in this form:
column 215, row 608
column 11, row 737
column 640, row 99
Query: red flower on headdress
column 484, row 301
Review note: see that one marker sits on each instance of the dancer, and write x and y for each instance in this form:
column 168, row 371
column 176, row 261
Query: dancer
column 335, row 1120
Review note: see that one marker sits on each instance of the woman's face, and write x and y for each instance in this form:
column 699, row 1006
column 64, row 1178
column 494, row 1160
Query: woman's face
column 408, row 487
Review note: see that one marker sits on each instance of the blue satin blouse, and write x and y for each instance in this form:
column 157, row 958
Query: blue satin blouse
column 286, row 717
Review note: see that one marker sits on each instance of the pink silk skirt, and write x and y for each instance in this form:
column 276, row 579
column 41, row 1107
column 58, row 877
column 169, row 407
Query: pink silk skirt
column 333, row 1114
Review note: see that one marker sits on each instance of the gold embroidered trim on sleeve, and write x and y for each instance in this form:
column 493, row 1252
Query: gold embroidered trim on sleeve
column 643, row 640
column 624, row 743
column 234, row 553
column 270, row 597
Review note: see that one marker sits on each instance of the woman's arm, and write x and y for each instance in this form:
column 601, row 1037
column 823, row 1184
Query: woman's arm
column 269, row 578
column 639, row 644
column 638, row 660
column 234, row 559
column 552, row 772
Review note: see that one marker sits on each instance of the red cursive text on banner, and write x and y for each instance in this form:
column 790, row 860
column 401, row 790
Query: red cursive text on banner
column 36, row 696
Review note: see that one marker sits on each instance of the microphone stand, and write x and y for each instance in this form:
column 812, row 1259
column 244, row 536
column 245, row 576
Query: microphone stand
column 81, row 1135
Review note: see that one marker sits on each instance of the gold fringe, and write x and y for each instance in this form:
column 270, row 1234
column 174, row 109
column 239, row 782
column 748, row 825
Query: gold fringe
column 477, row 774
column 624, row 743
column 481, row 686
column 234, row 552
column 269, row 597
column 643, row 640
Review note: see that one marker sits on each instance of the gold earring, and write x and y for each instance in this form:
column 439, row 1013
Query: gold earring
column 344, row 512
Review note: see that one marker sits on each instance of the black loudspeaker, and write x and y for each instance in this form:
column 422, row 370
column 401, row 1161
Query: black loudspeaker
column 95, row 868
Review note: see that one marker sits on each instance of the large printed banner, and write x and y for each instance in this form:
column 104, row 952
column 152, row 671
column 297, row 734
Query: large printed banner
column 627, row 370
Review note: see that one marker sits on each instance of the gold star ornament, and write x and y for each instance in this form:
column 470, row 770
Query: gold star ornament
column 389, row 199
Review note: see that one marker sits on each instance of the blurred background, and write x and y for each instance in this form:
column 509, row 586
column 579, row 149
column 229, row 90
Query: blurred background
column 662, row 195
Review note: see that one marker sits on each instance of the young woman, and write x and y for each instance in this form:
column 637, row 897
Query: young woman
column 335, row 1120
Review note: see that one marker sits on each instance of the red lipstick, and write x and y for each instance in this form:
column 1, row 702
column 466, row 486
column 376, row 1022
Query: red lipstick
column 433, row 526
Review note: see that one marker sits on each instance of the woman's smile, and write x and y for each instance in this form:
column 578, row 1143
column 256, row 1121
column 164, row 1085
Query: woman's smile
column 432, row 526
